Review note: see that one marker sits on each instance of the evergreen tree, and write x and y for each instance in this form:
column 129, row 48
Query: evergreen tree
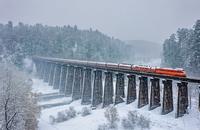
column 185, row 37
column 195, row 57
column 171, row 52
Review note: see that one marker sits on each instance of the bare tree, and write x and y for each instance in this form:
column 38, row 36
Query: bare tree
column 18, row 106
column 112, row 117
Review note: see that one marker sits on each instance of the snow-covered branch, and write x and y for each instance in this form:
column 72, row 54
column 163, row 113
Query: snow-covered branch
column 18, row 108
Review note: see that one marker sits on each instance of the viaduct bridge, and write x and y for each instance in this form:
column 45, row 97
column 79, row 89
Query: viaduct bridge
column 83, row 80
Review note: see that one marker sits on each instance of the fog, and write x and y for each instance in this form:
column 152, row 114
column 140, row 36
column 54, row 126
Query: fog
column 148, row 20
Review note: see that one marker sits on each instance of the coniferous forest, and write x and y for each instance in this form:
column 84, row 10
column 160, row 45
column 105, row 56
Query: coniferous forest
column 22, row 41
column 182, row 50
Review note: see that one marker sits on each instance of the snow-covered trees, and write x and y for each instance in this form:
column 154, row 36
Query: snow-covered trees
column 18, row 106
column 182, row 50
column 85, row 111
column 134, row 120
column 184, row 40
column 195, row 47
column 63, row 116
column 112, row 117
column 131, row 121
column 171, row 51
column 23, row 41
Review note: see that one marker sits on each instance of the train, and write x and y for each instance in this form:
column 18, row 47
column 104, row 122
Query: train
column 137, row 68
column 123, row 66
column 147, row 69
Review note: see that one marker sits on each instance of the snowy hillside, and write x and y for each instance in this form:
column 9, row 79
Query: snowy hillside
column 96, row 118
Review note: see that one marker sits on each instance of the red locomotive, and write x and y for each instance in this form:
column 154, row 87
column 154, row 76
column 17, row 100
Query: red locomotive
column 163, row 71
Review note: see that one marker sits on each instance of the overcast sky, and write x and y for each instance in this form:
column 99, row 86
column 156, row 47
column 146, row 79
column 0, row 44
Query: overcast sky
column 152, row 20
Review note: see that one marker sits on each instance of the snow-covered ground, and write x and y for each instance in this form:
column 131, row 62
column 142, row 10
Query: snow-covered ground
column 190, row 121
